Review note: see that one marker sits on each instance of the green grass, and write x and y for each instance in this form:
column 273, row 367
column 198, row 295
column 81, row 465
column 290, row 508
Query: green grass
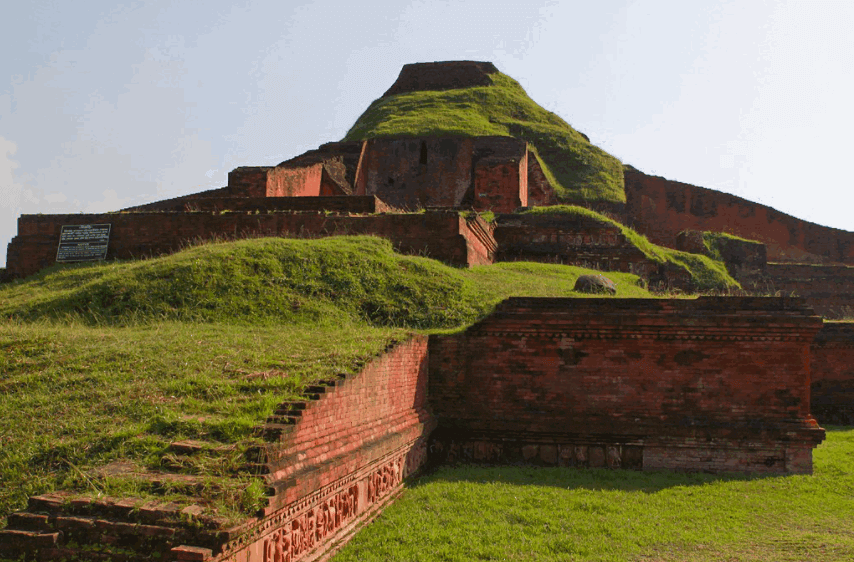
column 107, row 362
column 715, row 241
column 579, row 170
column 708, row 273
column 525, row 513
column 76, row 396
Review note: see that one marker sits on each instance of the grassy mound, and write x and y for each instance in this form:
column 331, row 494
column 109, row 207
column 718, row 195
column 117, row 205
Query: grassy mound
column 709, row 274
column 261, row 281
column 282, row 281
column 579, row 170
column 107, row 362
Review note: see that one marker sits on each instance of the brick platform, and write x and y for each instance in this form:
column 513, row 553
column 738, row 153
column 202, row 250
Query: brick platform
column 713, row 384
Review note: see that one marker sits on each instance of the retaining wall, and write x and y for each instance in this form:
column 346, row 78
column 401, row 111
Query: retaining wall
column 661, row 209
column 340, row 204
column 331, row 464
column 443, row 235
column 582, row 241
column 827, row 288
column 832, row 362
column 715, row 384
column 568, row 239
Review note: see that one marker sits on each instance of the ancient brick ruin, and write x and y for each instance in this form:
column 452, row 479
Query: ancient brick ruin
column 713, row 384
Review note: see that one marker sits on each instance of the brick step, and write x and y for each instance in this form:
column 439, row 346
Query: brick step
column 282, row 419
column 290, row 408
column 27, row 521
column 195, row 447
column 15, row 541
column 126, row 509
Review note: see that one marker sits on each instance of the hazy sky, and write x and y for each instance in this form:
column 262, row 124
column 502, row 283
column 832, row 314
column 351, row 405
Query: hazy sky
column 105, row 105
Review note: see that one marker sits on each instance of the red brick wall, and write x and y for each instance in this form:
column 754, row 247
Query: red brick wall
column 268, row 181
column 337, row 203
column 346, row 454
column 540, row 190
column 660, row 209
column 294, row 182
column 331, row 463
column 248, row 181
column 443, row 235
column 574, row 240
column 441, row 76
column 500, row 186
column 487, row 173
column 414, row 173
column 684, row 384
column 480, row 241
column 832, row 364
column 828, row 289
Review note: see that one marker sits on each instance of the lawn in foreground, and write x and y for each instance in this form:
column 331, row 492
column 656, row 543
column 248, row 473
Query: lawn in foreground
column 527, row 513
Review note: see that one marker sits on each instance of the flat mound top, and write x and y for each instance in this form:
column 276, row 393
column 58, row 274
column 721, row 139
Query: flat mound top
column 448, row 75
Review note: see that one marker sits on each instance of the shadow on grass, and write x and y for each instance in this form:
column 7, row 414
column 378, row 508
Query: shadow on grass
column 836, row 428
column 594, row 479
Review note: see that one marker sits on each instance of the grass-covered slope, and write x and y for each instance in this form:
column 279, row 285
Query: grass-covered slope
column 707, row 272
column 107, row 362
column 579, row 170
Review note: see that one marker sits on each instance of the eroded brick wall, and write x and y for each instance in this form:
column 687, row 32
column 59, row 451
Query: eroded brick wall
column 540, row 190
column 718, row 384
column 415, row 173
column 573, row 240
column 441, row 76
column 443, row 235
column 500, row 176
column 829, row 289
column 745, row 260
column 833, row 374
column 661, row 209
column 487, row 173
column 338, row 203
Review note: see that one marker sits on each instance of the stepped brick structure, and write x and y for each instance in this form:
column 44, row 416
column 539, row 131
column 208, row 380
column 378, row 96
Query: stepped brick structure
column 579, row 240
column 715, row 384
column 331, row 463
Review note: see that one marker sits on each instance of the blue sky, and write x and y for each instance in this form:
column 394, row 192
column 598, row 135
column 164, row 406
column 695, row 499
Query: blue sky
column 123, row 103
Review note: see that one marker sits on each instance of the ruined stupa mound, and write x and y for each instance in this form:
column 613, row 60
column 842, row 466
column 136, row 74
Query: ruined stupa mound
column 448, row 75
